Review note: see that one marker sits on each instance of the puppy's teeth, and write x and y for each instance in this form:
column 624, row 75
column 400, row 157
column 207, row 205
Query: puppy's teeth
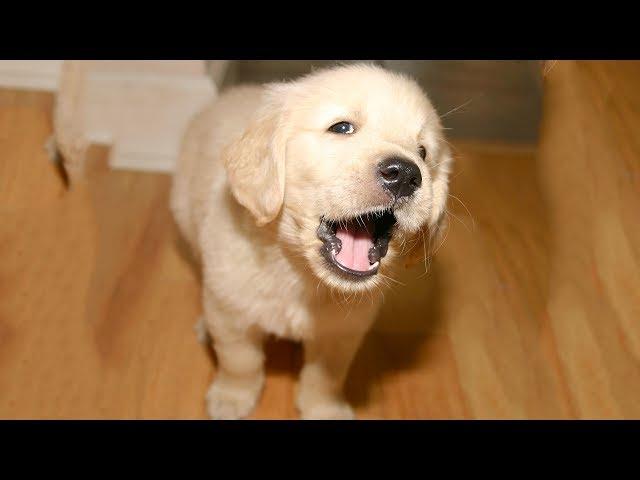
column 371, row 267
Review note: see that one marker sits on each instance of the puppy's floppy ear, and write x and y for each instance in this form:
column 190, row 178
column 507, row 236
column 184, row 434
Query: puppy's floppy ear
column 255, row 162
column 431, row 239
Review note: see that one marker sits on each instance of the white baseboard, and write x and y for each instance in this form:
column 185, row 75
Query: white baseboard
column 140, row 108
column 142, row 115
column 142, row 161
column 30, row 74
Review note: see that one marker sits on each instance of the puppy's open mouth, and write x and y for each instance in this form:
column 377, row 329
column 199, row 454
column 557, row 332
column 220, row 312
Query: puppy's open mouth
column 354, row 247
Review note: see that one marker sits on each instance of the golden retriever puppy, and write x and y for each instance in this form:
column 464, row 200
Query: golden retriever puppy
column 298, row 199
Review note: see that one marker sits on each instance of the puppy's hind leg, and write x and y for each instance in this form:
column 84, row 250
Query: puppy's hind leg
column 240, row 374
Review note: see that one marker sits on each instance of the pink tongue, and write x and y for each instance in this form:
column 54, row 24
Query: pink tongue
column 356, row 243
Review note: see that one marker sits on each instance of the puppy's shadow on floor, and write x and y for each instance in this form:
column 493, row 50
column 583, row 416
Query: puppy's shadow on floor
column 401, row 334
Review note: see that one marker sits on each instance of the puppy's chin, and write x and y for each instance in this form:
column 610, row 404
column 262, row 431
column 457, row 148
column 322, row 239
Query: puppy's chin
column 335, row 279
column 352, row 254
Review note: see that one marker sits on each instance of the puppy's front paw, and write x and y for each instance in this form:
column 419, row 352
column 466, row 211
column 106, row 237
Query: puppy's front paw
column 328, row 411
column 228, row 401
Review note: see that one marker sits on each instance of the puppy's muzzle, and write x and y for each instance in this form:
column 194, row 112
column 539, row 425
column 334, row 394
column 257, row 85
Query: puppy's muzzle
column 399, row 177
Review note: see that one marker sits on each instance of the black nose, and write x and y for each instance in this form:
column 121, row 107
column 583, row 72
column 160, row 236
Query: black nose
column 400, row 177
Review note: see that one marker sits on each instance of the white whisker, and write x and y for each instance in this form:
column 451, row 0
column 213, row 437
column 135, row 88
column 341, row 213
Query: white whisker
column 465, row 207
column 457, row 108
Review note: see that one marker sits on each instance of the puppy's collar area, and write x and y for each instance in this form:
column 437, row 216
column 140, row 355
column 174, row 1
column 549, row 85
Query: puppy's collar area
column 354, row 247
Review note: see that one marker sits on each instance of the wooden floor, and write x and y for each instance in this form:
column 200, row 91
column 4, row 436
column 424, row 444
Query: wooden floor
column 531, row 308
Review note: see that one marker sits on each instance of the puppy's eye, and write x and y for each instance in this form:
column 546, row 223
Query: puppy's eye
column 344, row 128
column 422, row 152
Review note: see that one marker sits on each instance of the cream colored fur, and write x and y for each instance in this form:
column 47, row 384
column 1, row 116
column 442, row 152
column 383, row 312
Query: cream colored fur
column 257, row 171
